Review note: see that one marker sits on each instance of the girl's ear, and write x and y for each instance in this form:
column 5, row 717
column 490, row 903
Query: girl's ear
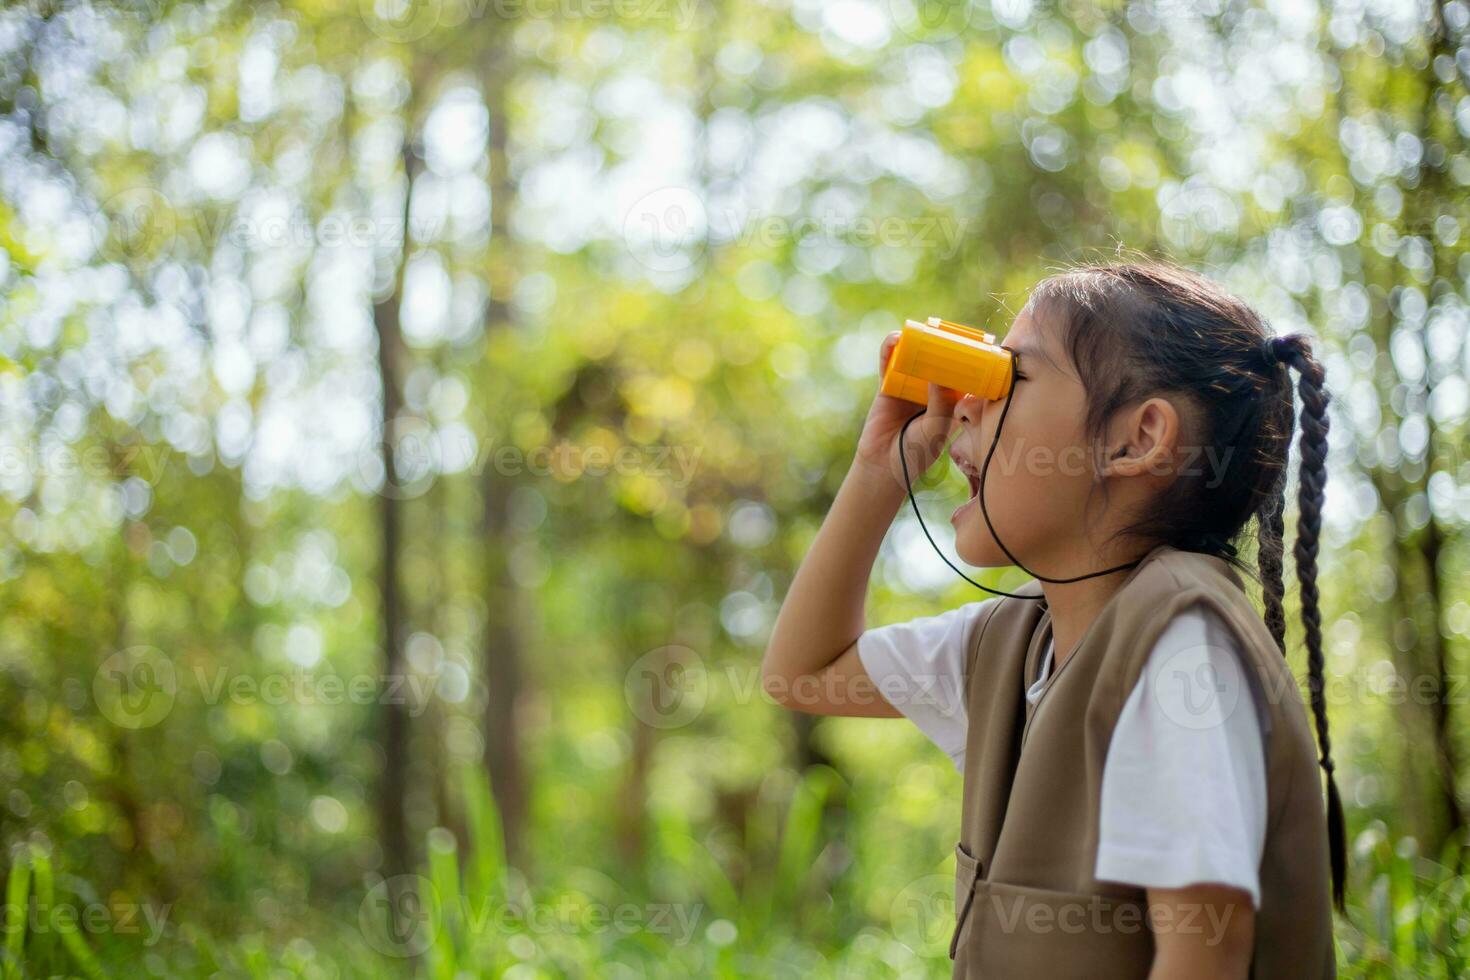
column 1145, row 440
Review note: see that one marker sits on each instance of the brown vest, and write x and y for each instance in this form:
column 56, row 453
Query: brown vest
column 1026, row 901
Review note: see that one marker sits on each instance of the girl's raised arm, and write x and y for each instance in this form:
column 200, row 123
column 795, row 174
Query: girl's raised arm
column 811, row 661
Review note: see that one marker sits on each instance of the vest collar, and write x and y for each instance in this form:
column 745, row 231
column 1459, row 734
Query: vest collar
column 1154, row 552
column 1044, row 626
column 1041, row 633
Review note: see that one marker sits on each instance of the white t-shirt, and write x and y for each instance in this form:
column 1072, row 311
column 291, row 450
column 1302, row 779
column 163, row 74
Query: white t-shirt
column 1184, row 783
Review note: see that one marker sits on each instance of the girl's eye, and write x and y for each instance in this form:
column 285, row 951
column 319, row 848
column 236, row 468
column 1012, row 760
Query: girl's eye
column 1021, row 377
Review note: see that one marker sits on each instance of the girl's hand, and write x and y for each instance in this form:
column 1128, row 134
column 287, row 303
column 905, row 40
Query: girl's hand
column 878, row 448
column 811, row 662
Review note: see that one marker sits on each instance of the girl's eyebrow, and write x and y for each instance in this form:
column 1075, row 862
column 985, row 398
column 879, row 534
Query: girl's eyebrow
column 1029, row 351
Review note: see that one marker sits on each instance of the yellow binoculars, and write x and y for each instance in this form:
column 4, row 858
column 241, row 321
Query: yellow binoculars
column 950, row 355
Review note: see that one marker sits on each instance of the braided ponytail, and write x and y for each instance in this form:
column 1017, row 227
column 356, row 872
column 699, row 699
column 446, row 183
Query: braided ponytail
column 1296, row 353
column 1271, row 521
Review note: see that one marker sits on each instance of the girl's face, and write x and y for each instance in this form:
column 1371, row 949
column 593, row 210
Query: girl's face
column 1040, row 476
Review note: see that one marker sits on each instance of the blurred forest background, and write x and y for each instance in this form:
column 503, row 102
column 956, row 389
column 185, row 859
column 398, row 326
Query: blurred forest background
column 411, row 414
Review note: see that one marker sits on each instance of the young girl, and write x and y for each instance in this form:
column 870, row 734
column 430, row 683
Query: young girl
column 1142, row 795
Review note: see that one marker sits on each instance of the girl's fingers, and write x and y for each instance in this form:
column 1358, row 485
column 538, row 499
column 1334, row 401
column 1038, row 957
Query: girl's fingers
column 942, row 402
column 937, row 423
column 885, row 350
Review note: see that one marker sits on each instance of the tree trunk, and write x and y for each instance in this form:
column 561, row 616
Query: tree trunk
column 392, row 788
column 503, row 676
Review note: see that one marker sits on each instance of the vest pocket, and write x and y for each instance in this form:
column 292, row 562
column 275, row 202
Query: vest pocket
column 1016, row 931
column 966, row 878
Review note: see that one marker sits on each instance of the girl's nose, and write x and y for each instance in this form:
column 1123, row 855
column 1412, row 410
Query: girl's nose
column 968, row 409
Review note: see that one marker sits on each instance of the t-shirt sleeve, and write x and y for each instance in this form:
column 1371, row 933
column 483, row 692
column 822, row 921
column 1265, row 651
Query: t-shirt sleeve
column 919, row 666
column 1184, row 784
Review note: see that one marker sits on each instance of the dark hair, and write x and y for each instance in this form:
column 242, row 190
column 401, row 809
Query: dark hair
column 1150, row 327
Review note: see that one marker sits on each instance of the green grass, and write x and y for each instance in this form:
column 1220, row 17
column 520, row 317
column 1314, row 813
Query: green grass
column 466, row 914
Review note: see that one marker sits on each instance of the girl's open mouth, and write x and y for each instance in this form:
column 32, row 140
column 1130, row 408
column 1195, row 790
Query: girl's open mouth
column 969, row 469
column 972, row 476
